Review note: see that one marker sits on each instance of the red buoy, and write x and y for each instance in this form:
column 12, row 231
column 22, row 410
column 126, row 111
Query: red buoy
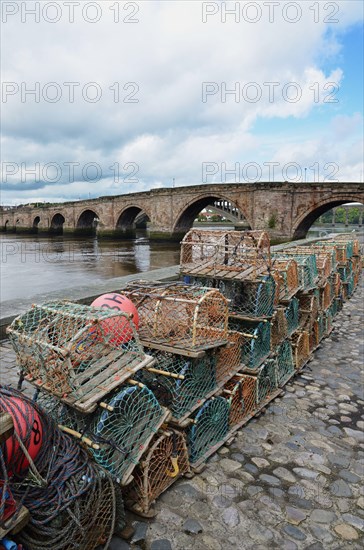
column 118, row 329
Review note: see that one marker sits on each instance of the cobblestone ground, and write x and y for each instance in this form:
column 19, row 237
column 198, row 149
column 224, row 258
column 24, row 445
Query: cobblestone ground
column 292, row 478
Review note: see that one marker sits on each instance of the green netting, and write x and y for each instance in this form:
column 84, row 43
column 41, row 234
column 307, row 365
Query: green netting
column 285, row 363
column 122, row 430
column 266, row 380
column 211, row 425
column 241, row 393
column 345, row 272
column 247, row 298
column 292, row 315
column 307, row 268
column 328, row 317
column 349, row 286
column 76, row 351
column 256, row 347
column 190, row 380
column 344, row 245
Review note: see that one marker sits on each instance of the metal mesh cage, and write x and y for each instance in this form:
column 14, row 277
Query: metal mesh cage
column 326, row 295
column 325, row 259
column 78, row 353
column 349, row 287
column 345, row 272
column 225, row 250
column 342, row 249
column 301, row 348
column 250, row 298
column 329, row 319
column 180, row 316
column 279, row 328
column 266, row 381
column 256, row 346
column 210, row 427
column 241, row 393
column 229, row 358
column 180, row 383
column 287, row 272
column 165, row 461
column 292, row 315
column 354, row 243
column 285, row 363
column 307, row 268
column 119, row 431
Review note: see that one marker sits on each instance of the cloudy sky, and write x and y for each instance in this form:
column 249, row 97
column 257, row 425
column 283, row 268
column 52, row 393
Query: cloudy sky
column 102, row 98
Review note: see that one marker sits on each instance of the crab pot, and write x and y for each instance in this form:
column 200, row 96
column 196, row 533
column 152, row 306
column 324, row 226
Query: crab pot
column 343, row 250
column 229, row 358
column 338, row 304
column 279, row 328
column 241, row 394
column 308, row 309
column 349, row 287
column 325, row 260
column 180, row 383
column 284, row 362
column 307, row 268
column 180, row 316
column 249, row 298
column 326, row 295
column 75, row 352
column 256, row 346
column 301, row 348
column 266, row 381
column 348, row 237
column 219, row 250
column 209, row 429
column 165, row 461
column 345, row 272
column 286, row 272
column 292, row 315
column 328, row 319
column 120, row 429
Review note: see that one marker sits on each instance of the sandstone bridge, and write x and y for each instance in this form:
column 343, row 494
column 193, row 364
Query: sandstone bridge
column 287, row 210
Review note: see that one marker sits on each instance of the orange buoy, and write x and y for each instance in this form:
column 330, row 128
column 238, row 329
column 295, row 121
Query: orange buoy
column 118, row 330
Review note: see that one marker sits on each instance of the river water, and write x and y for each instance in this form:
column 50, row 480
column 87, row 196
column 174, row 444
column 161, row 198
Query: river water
column 32, row 265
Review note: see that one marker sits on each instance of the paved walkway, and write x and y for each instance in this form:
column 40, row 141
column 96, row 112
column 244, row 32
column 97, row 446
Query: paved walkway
column 292, row 479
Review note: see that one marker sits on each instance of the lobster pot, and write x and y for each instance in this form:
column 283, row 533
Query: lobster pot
column 343, row 250
column 77, row 353
column 165, row 461
column 356, row 277
column 348, row 237
column 256, row 346
column 307, row 268
column 286, row 272
column 308, row 309
column 209, row 429
column 320, row 327
column 326, row 295
column 336, row 285
column 180, row 383
column 324, row 260
column 345, row 272
column 253, row 299
column 266, row 381
column 229, row 358
column 328, row 318
column 241, row 394
column 292, row 315
column 284, row 363
column 279, row 328
column 220, row 250
column 349, row 287
column 337, row 304
column 180, row 316
column 119, row 431
column 301, row 348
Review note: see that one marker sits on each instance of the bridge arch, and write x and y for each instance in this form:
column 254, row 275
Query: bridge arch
column 307, row 219
column 186, row 217
column 6, row 225
column 36, row 222
column 57, row 222
column 87, row 222
column 130, row 218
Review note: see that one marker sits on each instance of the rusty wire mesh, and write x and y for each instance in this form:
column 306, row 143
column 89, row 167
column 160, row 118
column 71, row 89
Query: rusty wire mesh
column 349, row 287
column 308, row 309
column 156, row 471
column 345, row 271
column 119, row 431
column 292, row 315
column 180, row 316
column 354, row 243
column 256, row 346
column 229, row 358
column 266, row 381
column 76, row 352
column 306, row 266
column 250, row 298
column 284, row 362
column 279, row 327
column 180, row 383
column 325, row 260
column 241, row 394
column 301, row 348
column 225, row 250
column 286, row 271
column 209, row 429
column 326, row 295
column 328, row 319
column 343, row 250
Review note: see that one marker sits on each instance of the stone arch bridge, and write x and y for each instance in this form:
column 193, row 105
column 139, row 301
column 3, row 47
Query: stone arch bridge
column 286, row 210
